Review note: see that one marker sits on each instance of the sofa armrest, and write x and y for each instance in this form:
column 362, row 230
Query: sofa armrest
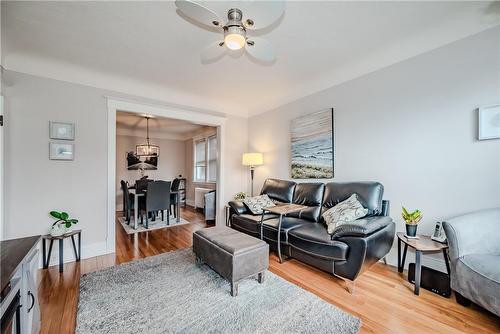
column 361, row 227
column 473, row 233
column 238, row 207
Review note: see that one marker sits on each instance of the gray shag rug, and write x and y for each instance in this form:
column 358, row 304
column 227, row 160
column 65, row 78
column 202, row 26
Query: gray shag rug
column 170, row 293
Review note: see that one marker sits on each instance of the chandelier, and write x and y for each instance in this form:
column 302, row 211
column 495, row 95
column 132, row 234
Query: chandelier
column 147, row 150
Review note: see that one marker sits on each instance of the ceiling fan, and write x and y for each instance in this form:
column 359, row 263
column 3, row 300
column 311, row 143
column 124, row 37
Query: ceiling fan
column 252, row 17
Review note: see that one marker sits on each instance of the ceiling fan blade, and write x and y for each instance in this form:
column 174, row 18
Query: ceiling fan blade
column 213, row 52
column 260, row 49
column 260, row 14
column 199, row 13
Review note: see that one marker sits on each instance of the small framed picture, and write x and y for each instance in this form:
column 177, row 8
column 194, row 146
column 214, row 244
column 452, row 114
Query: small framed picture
column 61, row 151
column 489, row 122
column 62, row 131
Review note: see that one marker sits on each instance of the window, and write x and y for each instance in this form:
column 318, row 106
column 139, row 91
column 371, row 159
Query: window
column 212, row 159
column 200, row 164
column 205, row 159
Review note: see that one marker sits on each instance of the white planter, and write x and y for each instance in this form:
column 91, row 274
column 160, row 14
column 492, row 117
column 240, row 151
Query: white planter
column 57, row 230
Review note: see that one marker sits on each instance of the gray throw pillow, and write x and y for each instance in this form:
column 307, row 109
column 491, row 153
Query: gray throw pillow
column 344, row 213
column 257, row 203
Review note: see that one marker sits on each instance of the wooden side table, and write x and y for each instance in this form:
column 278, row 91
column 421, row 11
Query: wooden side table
column 46, row 257
column 280, row 210
column 424, row 244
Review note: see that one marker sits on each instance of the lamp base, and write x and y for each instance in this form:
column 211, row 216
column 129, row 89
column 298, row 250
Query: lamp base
column 252, row 170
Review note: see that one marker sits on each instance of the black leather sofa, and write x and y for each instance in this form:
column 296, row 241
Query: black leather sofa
column 346, row 253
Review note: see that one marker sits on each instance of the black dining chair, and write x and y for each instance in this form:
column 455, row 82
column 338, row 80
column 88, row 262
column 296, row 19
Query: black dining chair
column 128, row 199
column 157, row 199
column 173, row 196
column 141, row 185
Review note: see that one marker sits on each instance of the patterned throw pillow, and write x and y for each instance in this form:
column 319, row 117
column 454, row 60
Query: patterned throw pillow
column 344, row 213
column 257, row 203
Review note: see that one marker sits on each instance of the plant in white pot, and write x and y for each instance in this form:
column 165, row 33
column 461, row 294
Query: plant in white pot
column 63, row 223
column 411, row 219
column 240, row 196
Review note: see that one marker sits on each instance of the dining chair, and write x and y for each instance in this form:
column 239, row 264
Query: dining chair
column 141, row 185
column 173, row 196
column 128, row 198
column 157, row 199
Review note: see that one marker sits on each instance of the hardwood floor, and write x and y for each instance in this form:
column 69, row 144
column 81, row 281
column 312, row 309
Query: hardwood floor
column 383, row 298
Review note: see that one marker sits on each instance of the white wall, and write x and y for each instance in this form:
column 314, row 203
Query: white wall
column 34, row 185
column 411, row 126
column 171, row 162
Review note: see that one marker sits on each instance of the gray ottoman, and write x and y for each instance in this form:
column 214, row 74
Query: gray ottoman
column 232, row 254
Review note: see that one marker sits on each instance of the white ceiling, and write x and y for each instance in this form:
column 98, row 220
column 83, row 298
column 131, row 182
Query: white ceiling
column 159, row 127
column 148, row 49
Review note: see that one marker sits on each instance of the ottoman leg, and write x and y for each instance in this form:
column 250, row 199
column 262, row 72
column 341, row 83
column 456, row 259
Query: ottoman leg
column 199, row 260
column 234, row 289
column 261, row 277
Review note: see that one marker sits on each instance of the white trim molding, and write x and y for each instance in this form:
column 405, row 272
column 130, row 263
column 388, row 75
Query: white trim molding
column 114, row 105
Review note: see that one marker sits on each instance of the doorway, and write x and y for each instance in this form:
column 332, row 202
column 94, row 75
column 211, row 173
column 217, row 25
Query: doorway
column 198, row 174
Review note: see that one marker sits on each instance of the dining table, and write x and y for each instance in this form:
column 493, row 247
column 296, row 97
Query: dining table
column 143, row 193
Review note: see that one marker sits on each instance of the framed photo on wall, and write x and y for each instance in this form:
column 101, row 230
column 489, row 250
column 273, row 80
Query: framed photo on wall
column 61, row 151
column 62, row 131
column 489, row 122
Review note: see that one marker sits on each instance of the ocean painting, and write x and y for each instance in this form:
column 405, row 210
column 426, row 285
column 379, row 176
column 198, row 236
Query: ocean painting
column 312, row 146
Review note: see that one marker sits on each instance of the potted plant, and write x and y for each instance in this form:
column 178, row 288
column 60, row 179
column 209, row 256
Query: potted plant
column 240, row 196
column 411, row 219
column 63, row 223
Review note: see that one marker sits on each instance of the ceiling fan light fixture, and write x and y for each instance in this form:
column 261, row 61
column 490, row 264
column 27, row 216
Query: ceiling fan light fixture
column 234, row 38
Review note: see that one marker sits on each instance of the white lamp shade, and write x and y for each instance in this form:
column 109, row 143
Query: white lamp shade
column 252, row 159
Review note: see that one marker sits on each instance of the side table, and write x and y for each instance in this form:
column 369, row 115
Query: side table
column 46, row 257
column 424, row 244
column 280, row 210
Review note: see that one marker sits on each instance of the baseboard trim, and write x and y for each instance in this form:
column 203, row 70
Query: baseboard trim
column 88, row 251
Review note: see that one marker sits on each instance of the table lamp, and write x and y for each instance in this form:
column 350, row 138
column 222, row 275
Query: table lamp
column 252, row 160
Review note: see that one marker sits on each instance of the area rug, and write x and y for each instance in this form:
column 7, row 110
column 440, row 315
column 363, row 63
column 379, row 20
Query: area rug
column 170, row 293
column 153, row 225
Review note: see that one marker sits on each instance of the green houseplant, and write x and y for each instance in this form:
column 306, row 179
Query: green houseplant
column 240, row 196
column 62, row 224
column 411, row 219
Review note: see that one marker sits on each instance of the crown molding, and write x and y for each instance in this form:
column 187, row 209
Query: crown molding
column 115, row 84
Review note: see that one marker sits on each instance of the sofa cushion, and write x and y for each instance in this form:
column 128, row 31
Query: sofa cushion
column 287, row 224
column 279, row 190
column 314, row 239
column 257, row 203
column 369, row 194
column 311, row 195
column 344, row 213
column 478, row 278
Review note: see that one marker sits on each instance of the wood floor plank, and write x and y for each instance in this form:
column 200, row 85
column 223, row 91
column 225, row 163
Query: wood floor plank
column 383, row 298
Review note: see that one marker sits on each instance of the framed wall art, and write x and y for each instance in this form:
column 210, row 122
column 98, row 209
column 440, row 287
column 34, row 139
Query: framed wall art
column 311, row 145
column 61, row 151
column 62, row 131
column 489, row 122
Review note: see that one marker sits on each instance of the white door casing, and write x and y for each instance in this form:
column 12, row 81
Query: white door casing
column 116, row 104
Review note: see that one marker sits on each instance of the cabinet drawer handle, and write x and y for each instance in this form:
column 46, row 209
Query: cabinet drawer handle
column 32, row 300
